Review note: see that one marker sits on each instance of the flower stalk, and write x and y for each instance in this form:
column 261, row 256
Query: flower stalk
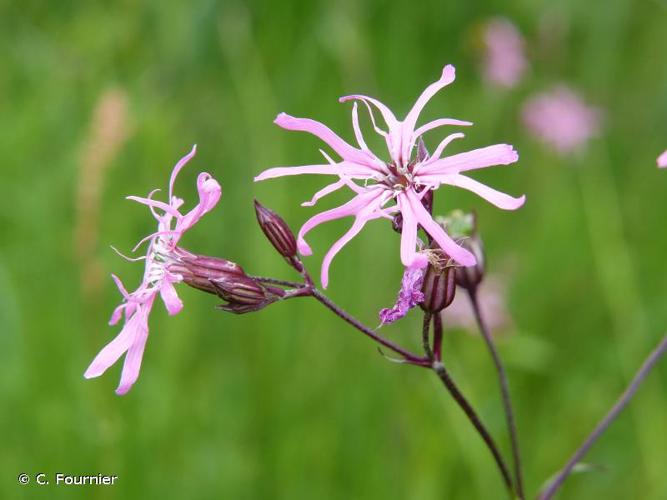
column 504, row 391
column 602, row 426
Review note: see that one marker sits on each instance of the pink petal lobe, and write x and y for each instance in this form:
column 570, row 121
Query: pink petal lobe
column 443, row 144
column 498, row 154
column 393, row 137
column 352, row 170
column 345, row 150
column 358, row 225
column 119, row 345
column 441, row 122
column 447, row 77
column 497, row 198
column 170, row 298
column 132, row 364
column 335, row 186
column 352, row 207
column 169, row 209
column 181, row 163
column 408, row 232
column 448, row 245
column 209, row 195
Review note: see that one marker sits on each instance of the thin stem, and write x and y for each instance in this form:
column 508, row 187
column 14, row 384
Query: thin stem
column 437, row 336
column 426, row 342
column 442, row 373
column 622, row 401
column 407, row 355
column 504, row 390
column 463, row 403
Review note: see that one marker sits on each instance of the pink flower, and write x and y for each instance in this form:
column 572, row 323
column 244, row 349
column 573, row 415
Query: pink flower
column 158, row 278
column 561, row 119
column 662, row 160
column 403, row 179
column 504, row 62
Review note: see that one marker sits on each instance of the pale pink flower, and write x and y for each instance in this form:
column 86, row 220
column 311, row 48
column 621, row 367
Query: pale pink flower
column 158, row 278
column 561, row 119
column 403, row 178
column 662, row 160
column 504, row 59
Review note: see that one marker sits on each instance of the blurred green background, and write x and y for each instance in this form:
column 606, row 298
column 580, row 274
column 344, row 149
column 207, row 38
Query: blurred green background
column 99, row 99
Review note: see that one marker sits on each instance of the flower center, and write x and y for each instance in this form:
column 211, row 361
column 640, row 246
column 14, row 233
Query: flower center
column 399, row 177
column 158, row 259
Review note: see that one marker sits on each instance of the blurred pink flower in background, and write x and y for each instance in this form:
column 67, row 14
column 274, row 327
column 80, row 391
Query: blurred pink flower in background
column 662, row 160
column 561, row 119
column 492, row 293
column 504, row 59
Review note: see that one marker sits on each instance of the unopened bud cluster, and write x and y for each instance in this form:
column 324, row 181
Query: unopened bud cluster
column 225, row 279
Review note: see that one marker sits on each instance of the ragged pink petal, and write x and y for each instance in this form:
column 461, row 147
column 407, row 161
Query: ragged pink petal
column 170, row 298
column 408, row 231
column 345, row 150
column 393, row 135
column 121, row 288
column 166, row 207
column 335, row 186
column 447, row 77
column 359, row 222
column 133, row 358
column 498, row 154
column 357, row 130
column 349, row 169
column 119, row 345
column 209, row 195
column 497, row 198
column 177, row 168
column 443, row 144
column 441, row 122
column 352, row 207
column 448, row 245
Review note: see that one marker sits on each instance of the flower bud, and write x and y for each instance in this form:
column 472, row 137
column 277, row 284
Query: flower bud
column 198, row 270
column 439, row 287
column 276, row 230
column 244, row 294
column 470, row 277
column 463, row 228
column 239, row 290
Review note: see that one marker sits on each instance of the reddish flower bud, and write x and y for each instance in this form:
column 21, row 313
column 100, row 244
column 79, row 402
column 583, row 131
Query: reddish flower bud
column 463, row 228
column 439, row 287
column 239, row 290
column 276, row 230
column 470, row 277
column 198, row 270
